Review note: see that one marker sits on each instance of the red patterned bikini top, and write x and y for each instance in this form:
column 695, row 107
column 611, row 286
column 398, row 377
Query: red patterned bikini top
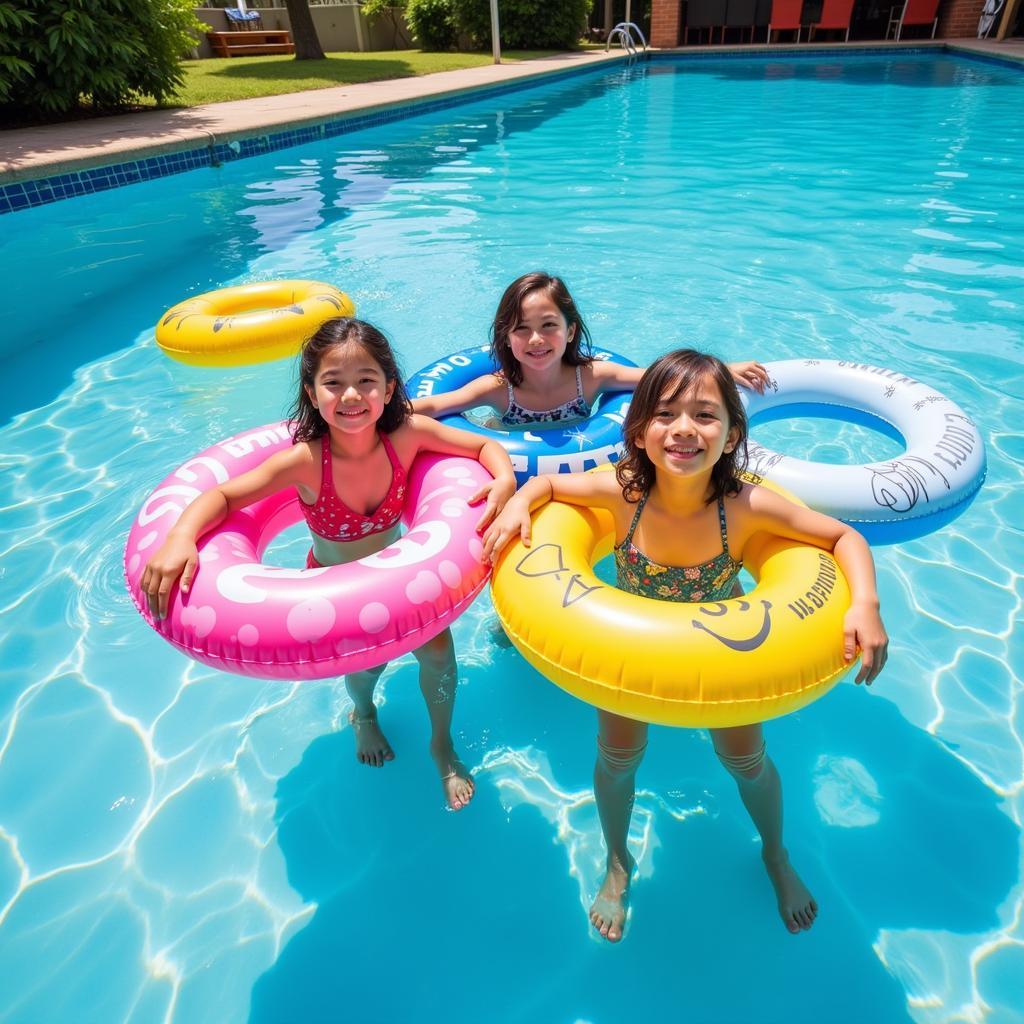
column 332, row 519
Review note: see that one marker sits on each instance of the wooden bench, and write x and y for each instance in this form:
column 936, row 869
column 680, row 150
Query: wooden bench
column 244, row 44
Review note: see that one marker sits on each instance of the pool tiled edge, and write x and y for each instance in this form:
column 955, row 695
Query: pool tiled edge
column 186, row 155
column 19, row 195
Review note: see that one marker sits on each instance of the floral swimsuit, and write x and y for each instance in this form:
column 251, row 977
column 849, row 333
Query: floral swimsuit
column 710, row 581
column 575, row 409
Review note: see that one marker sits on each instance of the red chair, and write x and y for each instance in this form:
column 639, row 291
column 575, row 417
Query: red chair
column 785, row 17
column 835, row 16
column 914, row 12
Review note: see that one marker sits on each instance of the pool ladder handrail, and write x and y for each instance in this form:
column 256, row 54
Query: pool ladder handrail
column 624, row 33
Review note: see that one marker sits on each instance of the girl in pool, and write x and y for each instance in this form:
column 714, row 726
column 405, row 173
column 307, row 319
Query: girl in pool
column 682, row 520
column 355, row 439
column 548, row 375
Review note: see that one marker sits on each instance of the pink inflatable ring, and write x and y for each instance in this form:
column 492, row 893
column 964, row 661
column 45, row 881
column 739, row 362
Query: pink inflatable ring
column 259, row 620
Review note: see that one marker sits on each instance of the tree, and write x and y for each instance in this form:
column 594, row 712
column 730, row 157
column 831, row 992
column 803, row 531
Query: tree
column 307, row 43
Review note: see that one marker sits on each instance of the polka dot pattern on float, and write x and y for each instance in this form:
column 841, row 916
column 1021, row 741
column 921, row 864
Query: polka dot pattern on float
column 374, row 617
column 310, row 620
column 425, row 586
column 147, row 541
column 199, row 618
column 248, row 635
column 450, row 574
column 453, row 508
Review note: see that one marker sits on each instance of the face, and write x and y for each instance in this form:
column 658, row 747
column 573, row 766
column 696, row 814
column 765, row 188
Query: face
column 540, row 336
column 350, row 388
column 690, row 432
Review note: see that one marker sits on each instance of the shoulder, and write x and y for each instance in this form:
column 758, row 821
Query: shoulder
column 300, row 454
column 761, row 507
column 303, row 458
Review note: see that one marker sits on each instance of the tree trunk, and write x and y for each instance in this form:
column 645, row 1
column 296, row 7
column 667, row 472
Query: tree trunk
column 307, row 44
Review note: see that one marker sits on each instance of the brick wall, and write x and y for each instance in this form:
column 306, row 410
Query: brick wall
column 665, row 19
column 959, row 18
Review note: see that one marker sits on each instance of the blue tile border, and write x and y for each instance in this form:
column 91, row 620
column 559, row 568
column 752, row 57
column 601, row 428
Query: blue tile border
column 41, row 191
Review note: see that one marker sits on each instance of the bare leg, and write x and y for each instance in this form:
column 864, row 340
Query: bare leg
column 372, row 747
column 742, row 751
column 621, row 743
column 438, row 679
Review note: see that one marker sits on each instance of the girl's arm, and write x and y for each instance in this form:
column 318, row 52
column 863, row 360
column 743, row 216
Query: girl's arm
column 177, row 556
column 486, row 390
column 429, row 435
column 750, row 375
column 610, row 376
column 863, row 624
column 593, row 490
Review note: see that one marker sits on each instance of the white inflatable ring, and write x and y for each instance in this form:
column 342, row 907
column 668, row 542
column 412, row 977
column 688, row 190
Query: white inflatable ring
column 276, row 623
column 927, row 486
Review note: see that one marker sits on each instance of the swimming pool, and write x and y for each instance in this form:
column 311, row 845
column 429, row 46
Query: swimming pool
column 178, row 844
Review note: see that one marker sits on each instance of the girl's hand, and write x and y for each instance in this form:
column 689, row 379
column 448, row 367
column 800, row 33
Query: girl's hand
column 177, row 556
column 514, row 519
column 863, row 628
column 750, row 375
column 496, row 492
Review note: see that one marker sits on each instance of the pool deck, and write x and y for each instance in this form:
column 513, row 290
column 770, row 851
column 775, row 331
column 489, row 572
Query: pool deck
column 31, row 153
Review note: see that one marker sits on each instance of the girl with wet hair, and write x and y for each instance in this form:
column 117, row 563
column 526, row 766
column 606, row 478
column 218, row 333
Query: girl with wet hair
column 546, row 373
column 683, row 517
column 355, row 441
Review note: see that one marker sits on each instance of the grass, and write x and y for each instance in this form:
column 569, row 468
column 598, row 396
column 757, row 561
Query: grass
column 240, row 78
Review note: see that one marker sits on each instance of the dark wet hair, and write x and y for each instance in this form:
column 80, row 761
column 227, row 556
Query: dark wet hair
column 306, row 421
column 577, row 352
column 672, row 375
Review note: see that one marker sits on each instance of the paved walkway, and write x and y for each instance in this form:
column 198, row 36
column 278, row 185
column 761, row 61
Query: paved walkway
column 57, row 149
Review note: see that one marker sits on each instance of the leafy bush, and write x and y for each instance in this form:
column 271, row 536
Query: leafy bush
column 54, row 54
column 432, row 24
column 524, row 24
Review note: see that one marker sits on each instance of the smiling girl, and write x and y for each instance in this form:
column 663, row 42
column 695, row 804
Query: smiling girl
column 683, row 517
column 355, row 439
column 547, row 374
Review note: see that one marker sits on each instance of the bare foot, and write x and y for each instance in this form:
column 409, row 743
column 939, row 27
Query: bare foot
column 797, row 906
column 456, row 781
column 608, row 911
column 372, row 747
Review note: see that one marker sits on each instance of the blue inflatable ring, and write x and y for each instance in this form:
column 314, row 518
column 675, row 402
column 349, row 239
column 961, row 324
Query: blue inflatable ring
column 545, row 449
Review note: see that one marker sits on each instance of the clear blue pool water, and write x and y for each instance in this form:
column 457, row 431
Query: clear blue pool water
column 181, row 845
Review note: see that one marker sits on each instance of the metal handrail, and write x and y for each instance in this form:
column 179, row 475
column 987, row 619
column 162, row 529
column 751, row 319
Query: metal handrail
column 624, row 32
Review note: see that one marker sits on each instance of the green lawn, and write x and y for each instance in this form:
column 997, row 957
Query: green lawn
column 241, row 78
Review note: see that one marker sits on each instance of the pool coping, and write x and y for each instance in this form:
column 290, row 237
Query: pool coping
column 53, row 162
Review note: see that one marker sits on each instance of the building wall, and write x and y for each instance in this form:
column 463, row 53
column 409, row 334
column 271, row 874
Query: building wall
column 957, row 19
column 665, row 20
column 335, row 27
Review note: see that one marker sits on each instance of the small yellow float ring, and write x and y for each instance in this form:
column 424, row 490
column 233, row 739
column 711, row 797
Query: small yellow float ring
column 706, row 665
column 249, row 324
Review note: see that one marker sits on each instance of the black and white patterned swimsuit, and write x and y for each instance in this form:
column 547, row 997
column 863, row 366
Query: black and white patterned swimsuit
column 575, row 409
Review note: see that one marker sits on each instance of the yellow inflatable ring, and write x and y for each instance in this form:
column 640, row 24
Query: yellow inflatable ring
column 249, row 324
column 701, row 665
